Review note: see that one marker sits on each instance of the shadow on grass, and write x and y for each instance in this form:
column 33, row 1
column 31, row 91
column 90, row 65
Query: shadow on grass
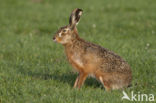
column 65, row 78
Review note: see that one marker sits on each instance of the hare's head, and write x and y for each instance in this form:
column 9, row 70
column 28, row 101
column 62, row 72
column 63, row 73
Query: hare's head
column 67, row 33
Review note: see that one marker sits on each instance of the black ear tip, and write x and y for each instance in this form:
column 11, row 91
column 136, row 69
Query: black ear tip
column 80, row 10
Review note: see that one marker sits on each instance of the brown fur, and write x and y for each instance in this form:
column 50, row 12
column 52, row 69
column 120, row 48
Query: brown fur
column 91, row 59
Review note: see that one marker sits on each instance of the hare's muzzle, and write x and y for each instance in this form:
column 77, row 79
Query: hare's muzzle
column 54, row 39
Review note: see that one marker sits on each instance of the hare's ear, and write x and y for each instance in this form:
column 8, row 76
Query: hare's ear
column 75, row 17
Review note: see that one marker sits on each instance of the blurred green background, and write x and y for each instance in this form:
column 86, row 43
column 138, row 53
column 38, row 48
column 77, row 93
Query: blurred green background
column 34, row 69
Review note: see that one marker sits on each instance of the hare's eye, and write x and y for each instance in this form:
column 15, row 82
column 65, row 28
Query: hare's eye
column 64, row 30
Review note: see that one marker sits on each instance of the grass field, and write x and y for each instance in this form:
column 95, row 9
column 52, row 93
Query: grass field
column 34, row 69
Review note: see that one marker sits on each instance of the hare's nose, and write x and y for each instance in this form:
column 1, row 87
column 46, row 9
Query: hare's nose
column 54, row 38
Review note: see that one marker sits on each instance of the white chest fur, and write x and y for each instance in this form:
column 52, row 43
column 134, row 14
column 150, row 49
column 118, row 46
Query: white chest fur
column 77, row 59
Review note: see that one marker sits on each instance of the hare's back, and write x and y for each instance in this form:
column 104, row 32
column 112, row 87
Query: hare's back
column 105, row 59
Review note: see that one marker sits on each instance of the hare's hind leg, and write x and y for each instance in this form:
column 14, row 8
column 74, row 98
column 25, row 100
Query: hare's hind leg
column 80, row 80
column 113, row 81
column 105, row 84
column 103, row 78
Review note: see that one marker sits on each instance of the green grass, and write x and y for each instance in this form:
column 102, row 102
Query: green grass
column 34, row 69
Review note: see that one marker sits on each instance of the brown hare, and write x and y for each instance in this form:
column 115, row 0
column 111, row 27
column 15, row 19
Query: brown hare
column 91, row 59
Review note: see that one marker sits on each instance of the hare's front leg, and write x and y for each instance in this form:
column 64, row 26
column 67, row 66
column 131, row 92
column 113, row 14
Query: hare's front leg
column 80, row 80
column 76, row 82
